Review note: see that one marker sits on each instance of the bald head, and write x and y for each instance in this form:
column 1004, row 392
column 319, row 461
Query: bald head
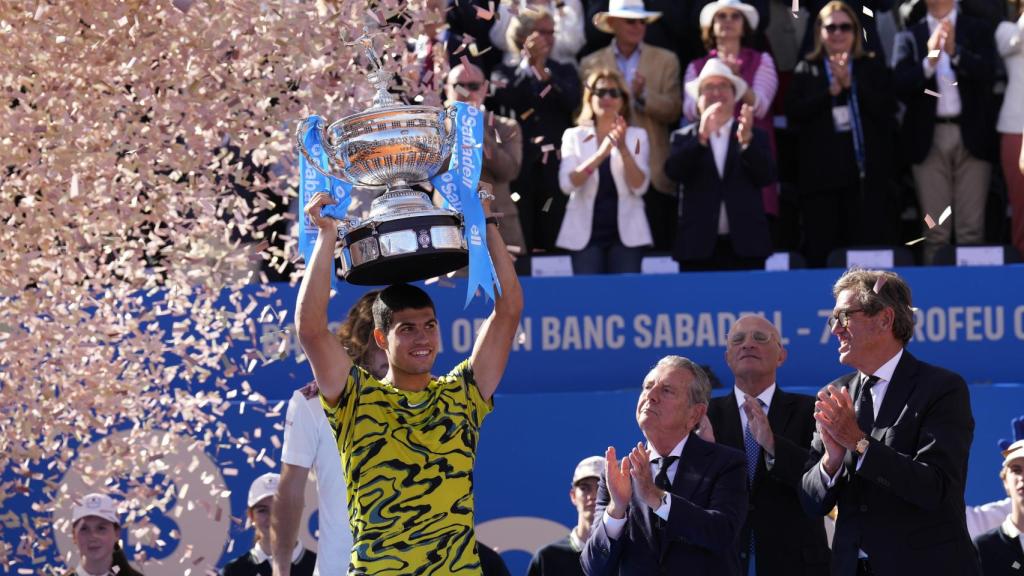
column 466, row 83
column 754, row 353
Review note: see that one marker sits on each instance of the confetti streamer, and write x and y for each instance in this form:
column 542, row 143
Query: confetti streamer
column 547, row 205
column 928, row 220
column 526, row 114
column 934, row 53
column 945, row 215
column 932, row 93
column 879, row 284
column 545, row 91
column 915, row 241
column 795, row 8
column 868, row 12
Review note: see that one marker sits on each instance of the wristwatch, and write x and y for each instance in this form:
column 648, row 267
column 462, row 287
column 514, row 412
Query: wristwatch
column 862, row 446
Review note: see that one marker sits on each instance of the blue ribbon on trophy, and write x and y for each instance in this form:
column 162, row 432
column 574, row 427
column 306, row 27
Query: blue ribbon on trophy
column 312, row 181
column 458, row 186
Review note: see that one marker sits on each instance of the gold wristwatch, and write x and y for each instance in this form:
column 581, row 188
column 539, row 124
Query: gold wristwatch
column 861, row 446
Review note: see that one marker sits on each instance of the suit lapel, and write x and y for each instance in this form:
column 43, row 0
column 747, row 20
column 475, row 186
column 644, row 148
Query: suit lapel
column 732, row 430
column 900, row 387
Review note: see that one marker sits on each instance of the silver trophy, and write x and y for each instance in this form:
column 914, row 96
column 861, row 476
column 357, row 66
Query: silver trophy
column 390, row 146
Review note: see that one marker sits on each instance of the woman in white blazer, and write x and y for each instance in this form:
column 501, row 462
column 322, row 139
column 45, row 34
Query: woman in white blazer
column 605, row 172
column 1010, row 41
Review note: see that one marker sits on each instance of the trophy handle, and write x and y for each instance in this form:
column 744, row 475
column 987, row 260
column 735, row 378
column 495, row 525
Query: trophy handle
column 300, row 132
column 448, row 114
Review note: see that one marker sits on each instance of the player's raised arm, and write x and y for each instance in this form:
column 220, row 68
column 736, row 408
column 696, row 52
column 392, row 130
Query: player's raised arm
column 326, row 355
column 493, row 344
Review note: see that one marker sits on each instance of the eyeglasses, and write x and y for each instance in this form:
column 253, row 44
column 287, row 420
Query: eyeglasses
column 608, row 92
column 471, row 86
column 845, row 27
column 842, row 318
column 723, row 16
column 758, row 337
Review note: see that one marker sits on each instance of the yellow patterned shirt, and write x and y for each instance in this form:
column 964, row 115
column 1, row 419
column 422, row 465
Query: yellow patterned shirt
column 408, row 459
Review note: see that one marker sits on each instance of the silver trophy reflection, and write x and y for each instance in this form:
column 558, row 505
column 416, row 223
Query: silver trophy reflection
column 391, row 146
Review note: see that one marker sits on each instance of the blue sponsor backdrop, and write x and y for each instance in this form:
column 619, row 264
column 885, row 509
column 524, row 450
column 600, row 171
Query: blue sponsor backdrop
column 572, row 382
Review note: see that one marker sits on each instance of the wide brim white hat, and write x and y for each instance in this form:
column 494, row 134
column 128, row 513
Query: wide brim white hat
column 632, row 9
column 707, row 13
column 262, row 487
column 98, row 505
column 715, row 67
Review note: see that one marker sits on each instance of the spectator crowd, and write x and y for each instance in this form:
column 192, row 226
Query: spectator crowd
column 721, row 132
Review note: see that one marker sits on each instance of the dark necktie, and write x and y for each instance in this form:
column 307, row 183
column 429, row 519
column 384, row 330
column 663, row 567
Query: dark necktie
column 661, row 478
column 866, row 406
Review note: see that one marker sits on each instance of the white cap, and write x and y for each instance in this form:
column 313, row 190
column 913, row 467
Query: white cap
column 589, row 467
column 707, row 13
column 630, row 9
column 1014, row 452
column 98, row 505
column 262, row 487
column 715, row 67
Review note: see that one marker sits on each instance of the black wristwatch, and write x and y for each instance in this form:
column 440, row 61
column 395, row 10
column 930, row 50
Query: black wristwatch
column 492, row 220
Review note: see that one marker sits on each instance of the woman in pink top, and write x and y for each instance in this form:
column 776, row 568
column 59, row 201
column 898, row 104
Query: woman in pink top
column 728, row 30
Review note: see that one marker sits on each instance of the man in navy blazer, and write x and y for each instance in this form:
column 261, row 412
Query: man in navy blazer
column 675, row 505
column 892, row 442
column 723, row 164
column 774, row 428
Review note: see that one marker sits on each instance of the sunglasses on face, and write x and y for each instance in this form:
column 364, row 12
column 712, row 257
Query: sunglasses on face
column 723, row 16
column 608, row 92
column 845, row 27
column 471, row 86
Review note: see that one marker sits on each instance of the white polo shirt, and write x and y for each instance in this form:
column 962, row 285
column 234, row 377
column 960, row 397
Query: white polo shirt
column 309, row 442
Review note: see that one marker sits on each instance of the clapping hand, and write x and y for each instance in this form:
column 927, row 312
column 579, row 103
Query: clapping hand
column 620, row 484
column 745, row 133
column 616, row 137
column 757, row 420
column 639, row 82
column 710, row 122
column 839, row 64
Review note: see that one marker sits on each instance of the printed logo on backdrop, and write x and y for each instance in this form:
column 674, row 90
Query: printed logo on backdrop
column 194, row 528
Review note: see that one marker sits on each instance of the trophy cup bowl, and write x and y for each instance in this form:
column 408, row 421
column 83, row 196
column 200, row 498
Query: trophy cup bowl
column 405, row 237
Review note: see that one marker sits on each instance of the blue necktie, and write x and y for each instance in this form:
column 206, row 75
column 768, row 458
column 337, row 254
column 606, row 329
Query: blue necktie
column 753, row 450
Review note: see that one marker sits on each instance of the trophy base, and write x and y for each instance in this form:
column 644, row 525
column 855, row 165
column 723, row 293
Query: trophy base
column 403, row 249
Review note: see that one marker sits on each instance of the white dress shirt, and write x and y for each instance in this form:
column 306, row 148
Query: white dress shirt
column 719, row 143
column 614, row 526
column 949, row 101
column 1010, row 43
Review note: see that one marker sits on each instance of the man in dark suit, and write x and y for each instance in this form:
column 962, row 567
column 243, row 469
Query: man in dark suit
column 944, row 67
column 677, row 504
column 722, row 164
column 892, row 442
column 774, row 428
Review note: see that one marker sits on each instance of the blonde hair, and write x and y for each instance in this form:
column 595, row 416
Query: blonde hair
column 524, row 24
column 586, row 115
column 818, row 53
